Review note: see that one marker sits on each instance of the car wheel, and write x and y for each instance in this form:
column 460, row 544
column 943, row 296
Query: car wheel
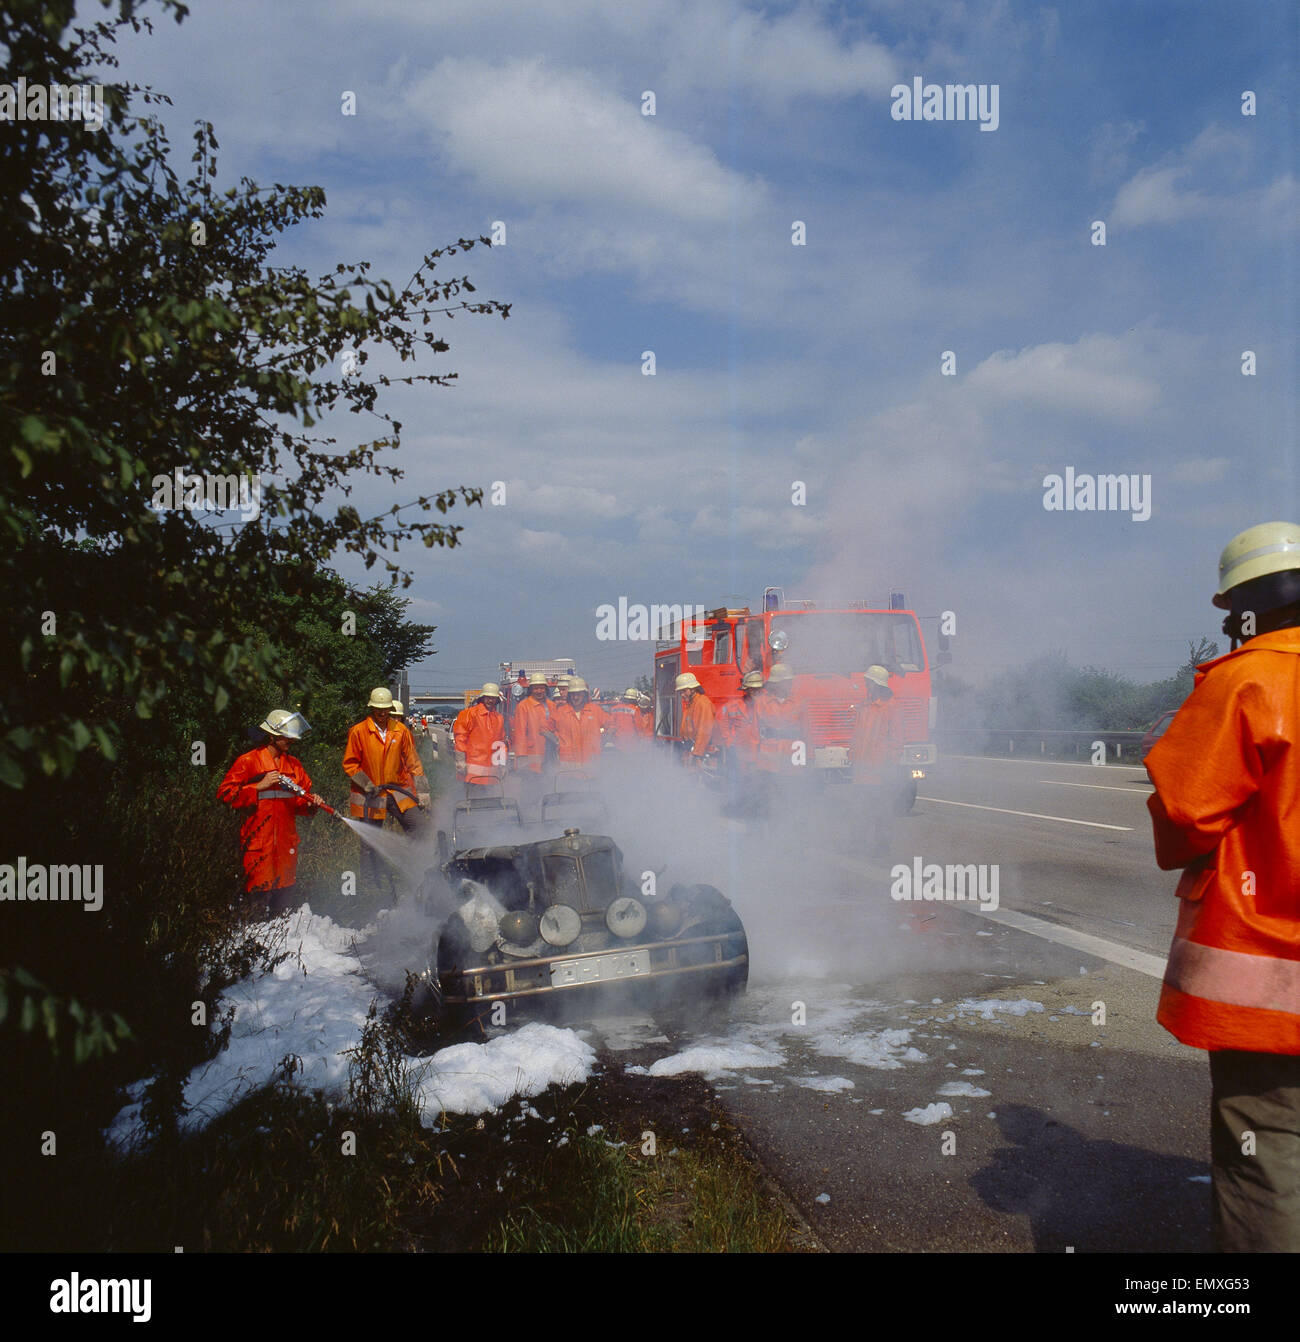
column 905, row 798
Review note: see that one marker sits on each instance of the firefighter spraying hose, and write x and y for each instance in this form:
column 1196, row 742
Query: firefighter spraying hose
column 301, row 791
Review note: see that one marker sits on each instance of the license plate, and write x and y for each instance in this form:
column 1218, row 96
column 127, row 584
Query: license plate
column 599, row 968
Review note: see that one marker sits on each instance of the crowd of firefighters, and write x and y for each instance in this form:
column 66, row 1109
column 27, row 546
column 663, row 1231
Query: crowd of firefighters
column 563, row 723
column 552, row 727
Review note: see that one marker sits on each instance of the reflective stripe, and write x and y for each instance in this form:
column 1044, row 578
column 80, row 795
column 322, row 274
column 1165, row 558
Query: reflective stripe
column 1279, row 547
column 277, row 794
column 488, row 770
column 1233, row 977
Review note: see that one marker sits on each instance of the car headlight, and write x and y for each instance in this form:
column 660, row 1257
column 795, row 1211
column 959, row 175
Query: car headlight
column 519, row 926
column 560, row 925
column 666, row 917
column 626, row 917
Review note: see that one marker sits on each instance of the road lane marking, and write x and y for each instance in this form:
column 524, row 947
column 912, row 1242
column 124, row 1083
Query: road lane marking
column 1033, row 815
column 1099, row 787
column 1113, row 951
column 1040, row 762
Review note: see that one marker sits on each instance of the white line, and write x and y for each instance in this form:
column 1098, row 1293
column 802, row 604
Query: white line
column 1113, row 951
column 1033, row 815
column 1039, row 762
column 1098, row 787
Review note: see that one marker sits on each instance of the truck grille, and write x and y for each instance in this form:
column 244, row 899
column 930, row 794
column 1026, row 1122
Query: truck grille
column 831, row 722
column 916, row 719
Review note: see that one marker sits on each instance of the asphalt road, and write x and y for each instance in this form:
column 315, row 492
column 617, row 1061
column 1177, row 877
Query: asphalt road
column 1077, row 1123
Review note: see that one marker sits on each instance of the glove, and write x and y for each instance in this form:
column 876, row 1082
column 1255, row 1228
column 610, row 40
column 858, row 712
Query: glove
column 422, row 798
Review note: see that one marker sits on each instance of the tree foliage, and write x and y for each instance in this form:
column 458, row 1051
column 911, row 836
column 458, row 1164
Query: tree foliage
column 143, row 331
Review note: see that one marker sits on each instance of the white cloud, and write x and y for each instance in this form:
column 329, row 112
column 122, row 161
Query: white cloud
column 564, row 502
column 534, row 132
column 1153, row 196
column 1091, row 376
column 1206, row 178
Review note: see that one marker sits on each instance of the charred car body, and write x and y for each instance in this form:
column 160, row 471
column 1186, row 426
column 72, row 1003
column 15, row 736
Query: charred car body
column 558, row 920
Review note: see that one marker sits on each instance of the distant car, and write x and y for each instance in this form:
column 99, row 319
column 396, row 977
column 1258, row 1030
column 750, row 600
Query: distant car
column 1155, row 732
column 559, row 919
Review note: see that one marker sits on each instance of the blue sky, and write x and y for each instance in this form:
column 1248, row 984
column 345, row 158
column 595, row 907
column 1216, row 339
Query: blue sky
column 818, row 363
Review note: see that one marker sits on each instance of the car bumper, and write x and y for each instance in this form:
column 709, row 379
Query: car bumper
column 696, row 959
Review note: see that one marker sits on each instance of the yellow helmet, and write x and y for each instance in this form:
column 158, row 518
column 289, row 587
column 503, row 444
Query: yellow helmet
column 398, row 710
column 380, row 698
column 877, row 675
column 753, row 681
column 631, row 695
column 686, row 681
column 280, row 722
column 537, row 678
column 1270, row 550
column 577, row 685
column 779, row 673
column 490, row 690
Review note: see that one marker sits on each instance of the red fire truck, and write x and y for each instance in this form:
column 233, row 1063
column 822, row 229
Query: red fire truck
column 828, row 651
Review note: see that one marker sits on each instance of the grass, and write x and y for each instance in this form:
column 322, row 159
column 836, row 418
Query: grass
column 616, row 1200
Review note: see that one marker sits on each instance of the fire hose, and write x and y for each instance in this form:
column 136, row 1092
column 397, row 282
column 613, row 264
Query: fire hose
column 301, row 791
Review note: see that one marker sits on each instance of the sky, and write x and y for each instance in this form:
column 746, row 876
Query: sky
column 873, row 337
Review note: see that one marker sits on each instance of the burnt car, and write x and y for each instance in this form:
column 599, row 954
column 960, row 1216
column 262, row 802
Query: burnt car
column 559, row 921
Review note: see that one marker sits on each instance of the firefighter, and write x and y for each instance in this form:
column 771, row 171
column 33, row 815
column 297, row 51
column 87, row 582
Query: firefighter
column 877, row 744
column 269, row 833
column 1225, row 811
column 577, row 725
column 775, row 709
column 623, row 717
column 480, row 739
column 645, row 720
column 875, row 750
column 737, row 718
column 387, row 780
column 531, row 732
column 699, row 727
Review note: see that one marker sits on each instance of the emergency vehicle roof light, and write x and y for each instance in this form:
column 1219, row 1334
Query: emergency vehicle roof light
column 773, row 597
column 897, row 601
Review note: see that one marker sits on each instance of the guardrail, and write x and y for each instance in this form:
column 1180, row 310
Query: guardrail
column 1013, row 741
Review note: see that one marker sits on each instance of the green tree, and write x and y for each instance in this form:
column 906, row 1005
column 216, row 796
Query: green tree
column 144, row 332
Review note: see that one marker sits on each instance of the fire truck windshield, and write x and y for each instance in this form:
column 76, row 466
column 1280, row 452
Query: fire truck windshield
column 846, row 643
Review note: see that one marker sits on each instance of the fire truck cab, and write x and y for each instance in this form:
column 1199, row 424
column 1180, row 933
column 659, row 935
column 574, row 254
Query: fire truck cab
column 828, row 651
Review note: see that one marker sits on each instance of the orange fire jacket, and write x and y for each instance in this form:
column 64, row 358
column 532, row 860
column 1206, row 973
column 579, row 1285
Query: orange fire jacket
column 479, row 735
column 738, row 724
column 1227, row 811
column 269, row 833
column 578, row 733
column 530, row 720
column 392, row 759
column 699, row 725
column 877, row 743
column 623, row 723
